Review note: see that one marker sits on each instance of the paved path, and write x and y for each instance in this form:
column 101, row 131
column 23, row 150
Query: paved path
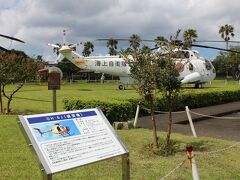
column 211, row 127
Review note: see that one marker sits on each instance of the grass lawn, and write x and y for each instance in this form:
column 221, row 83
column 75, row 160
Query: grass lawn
column 18, row 161
column 35, row 98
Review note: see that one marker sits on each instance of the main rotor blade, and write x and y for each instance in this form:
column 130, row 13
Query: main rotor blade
column 53, row 45
column 12, row 38
column 122, row 39
column 4, row 49
column 211, row 47
column 74, row 45
column 216, row 41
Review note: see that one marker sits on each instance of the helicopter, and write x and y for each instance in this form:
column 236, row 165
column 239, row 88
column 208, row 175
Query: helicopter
column 191, row 67
column 56, row 129
column 12, row 38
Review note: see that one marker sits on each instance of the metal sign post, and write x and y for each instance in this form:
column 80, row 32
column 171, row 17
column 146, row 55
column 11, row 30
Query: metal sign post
column 54, row 100
column 54, row 79
column 125, row 167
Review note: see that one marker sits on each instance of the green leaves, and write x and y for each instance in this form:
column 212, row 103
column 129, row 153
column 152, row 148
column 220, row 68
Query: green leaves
column 88, row 48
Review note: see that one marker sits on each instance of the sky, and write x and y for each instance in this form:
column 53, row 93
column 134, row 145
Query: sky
column 39, row 22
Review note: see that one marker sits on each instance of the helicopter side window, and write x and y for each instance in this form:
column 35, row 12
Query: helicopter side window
column 208, row 65
column 190, row 67
column 97, row 63
column 123, row 64
column 58, row 128
column 186, row 54
column 110, row 63
column 117, row 63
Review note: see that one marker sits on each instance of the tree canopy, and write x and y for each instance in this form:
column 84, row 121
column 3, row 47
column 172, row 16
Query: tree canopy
column 228, row 64
column 15, row 67
column 112, row 45
column 153, row 73
column 189, row 37
column 226, row 32
column 88, row 48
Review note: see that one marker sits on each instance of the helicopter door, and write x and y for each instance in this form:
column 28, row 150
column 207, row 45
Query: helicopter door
column 201, row 69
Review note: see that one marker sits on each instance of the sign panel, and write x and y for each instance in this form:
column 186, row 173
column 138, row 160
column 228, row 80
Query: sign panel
column 54, row 79
column 65, row 140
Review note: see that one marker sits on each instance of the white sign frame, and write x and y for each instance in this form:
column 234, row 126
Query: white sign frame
column 90, row 131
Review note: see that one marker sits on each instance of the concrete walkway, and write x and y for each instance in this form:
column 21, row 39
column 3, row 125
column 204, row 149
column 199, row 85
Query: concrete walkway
column 211, row 127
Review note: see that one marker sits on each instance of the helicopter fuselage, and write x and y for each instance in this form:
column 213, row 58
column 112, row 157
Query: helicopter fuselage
column 192, row 68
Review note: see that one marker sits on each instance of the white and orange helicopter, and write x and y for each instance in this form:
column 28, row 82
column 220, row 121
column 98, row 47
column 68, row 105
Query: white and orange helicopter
column 192, row 68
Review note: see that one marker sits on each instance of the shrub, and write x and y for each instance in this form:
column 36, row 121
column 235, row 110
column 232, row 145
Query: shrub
column 113, row 110
column 123, row 110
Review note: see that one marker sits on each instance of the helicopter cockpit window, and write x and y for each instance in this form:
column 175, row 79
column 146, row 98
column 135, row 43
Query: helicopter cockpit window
column 190, row 67
column 186, row 54
column 208, row 65
column 117, row 63
column 196, row 54
column 123, row 64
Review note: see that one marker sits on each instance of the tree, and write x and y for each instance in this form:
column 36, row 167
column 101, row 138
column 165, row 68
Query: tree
column 16, row 68
column 88, row 49
column 153, row 73
column 226, row 31
column 112, row 45
column 67, row 68
column 228, row 64
column 134, row 41
column 160, row 41
column 168, row 84
column 142, row 70
column 189, row 36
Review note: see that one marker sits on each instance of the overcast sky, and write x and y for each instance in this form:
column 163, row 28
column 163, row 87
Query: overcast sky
column 39, row 22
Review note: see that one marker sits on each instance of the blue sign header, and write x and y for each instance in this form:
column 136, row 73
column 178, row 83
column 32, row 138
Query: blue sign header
column 60, row 117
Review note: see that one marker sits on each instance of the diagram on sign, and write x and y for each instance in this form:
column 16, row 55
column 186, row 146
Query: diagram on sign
column 55, row 130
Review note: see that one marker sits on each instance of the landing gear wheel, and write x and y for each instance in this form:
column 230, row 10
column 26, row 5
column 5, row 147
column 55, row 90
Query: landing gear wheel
column 198, row 85
column 121, row 87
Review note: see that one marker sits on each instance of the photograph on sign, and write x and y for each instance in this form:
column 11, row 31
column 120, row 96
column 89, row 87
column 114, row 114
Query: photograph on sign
column 56, row 130
column 70, row 139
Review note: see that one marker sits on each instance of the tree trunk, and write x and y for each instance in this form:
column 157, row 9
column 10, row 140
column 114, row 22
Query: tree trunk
column 10, row 96
column 169, row 120
column 8, row 105
column 155, row 138
column 1, row 103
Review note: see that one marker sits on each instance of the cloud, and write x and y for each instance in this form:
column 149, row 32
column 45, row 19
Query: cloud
column 41, row 21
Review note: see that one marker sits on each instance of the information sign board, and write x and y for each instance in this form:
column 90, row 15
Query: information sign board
column 54, row 79
column 65, row 140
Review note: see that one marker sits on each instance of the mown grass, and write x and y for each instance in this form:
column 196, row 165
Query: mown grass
column 18, row 160
column 35, row 98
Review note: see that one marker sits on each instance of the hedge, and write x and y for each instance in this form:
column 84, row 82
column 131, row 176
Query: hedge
column 114, row 110
column 124, row 110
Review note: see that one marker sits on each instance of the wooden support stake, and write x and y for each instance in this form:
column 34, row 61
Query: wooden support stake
column 190, row 122
column 192, row 162
column 136, row 116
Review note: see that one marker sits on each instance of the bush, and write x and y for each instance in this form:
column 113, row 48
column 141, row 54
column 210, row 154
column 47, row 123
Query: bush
column 113, row 110
column 117, row 110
